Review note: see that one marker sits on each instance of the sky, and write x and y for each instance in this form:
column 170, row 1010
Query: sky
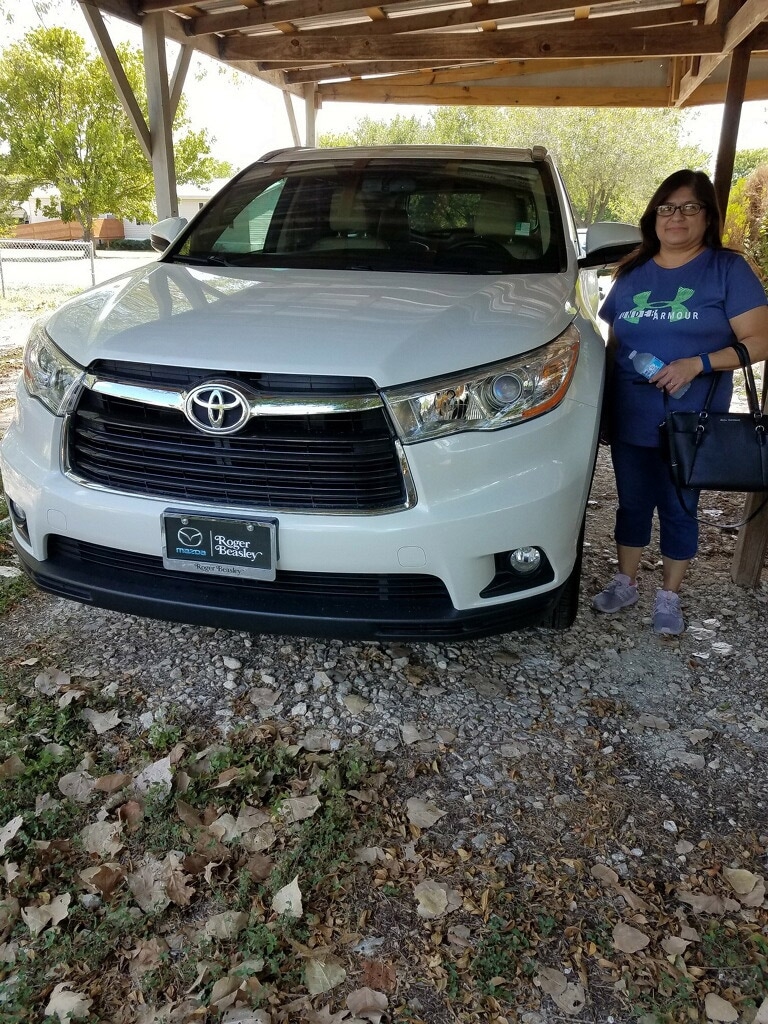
column 247, row 117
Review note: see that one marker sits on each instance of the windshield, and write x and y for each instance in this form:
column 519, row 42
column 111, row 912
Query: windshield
column 455, row 216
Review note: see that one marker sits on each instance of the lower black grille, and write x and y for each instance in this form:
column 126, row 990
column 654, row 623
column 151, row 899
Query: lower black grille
column 343, row 461
column 381, row 588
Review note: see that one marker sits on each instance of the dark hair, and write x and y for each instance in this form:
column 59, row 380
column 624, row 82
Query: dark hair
column 702, row 188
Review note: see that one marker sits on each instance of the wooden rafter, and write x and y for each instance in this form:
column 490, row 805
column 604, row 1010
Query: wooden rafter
column 509, row 44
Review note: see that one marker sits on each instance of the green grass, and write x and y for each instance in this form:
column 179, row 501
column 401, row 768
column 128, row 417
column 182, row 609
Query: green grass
column 90, row 945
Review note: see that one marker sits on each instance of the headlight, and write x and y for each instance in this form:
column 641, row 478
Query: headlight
column 490, row 397
column 48, row 374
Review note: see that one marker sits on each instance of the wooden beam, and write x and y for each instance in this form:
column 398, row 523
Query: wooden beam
column 449, row 75
column 310, row 104
column 729, row 131
column 291, row 118
column 266, row 15
column 750, row 16
column 443, row 18
column 377, row 91
column 498, row 96
column 160, row 117
column 327, row 72
column 456, row 47
column 123, row 9
column 119, row 78
column 179, row 76
column 752, row 542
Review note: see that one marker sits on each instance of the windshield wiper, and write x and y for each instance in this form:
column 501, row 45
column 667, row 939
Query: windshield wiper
column 201, row 261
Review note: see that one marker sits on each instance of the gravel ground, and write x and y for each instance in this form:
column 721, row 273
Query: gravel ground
column 683, row 722
column 693, row 711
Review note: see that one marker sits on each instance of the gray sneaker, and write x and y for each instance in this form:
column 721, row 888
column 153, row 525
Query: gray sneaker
column 620, row 593
column 667, row 617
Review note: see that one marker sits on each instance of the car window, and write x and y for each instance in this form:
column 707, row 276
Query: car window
column 407, row 215
column 248, row 229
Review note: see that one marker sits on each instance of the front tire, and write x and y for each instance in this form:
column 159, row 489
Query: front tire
column 563, row 613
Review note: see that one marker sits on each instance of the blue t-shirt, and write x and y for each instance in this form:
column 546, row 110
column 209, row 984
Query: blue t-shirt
column 674, row 314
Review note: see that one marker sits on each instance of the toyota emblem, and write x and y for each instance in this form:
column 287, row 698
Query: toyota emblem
column 217, row 408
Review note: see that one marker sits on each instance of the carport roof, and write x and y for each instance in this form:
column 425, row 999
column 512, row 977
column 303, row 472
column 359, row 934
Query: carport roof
column 641, row 53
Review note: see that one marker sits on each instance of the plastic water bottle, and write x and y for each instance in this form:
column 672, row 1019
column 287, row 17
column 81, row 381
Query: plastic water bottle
column 648, row 366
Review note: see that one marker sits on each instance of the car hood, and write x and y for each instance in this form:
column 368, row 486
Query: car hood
column 391, row 327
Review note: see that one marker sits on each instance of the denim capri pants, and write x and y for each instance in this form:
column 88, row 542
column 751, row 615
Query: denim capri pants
column 644, row 485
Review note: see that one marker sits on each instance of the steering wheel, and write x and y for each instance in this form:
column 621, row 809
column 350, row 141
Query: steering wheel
column 479, row 246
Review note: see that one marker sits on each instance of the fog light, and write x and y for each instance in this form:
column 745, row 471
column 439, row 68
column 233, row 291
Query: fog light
column 19, row 517
column 524, row 561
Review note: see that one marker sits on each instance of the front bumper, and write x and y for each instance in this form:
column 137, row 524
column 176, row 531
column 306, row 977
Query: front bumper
column 415, row 574
column 408, row 607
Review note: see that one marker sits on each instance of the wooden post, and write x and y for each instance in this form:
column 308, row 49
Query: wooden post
column 729, row 131
column 751, row 544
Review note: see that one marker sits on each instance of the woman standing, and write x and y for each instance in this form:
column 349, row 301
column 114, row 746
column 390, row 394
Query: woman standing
column 684, row 298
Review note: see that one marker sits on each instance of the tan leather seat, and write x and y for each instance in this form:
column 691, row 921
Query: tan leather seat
column 350, row 222
column 502, row 217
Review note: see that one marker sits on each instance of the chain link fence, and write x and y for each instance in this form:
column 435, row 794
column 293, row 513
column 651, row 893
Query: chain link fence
column 26, row 262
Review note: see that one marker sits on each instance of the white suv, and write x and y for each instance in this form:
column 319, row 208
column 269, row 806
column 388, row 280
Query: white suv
column 357, row 396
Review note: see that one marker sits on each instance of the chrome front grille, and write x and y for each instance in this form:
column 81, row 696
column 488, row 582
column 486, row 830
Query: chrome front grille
column 306, row 449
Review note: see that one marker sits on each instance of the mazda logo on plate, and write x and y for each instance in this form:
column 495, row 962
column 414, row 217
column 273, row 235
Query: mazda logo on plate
column 217, row 408
column 190, row 537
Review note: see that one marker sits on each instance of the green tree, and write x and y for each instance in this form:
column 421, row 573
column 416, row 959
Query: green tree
column 746, row 223
column 746, row 161
column 63, row 126
column 611, row 159
column 14, row 190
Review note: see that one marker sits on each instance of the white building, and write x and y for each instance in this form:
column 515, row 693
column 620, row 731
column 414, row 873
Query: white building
column 191, row 199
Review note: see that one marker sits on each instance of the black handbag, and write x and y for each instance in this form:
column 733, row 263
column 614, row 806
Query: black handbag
column 725, row 451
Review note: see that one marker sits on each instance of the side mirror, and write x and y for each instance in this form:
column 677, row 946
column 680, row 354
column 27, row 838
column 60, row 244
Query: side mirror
column 163, row 233
column 607, row 242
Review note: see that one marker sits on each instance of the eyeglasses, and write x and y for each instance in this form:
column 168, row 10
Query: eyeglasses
column 687, row 209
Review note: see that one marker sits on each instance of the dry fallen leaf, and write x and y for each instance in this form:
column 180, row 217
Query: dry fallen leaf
column 436, row 899
column 103, row 878
column 423, row 813
column 367, row 1003
column 298, row 808
column 741, row 881
column 604, row 874
column 102, row 838
column 8, row 831
column 288, row 900
column 67, row 1005
column 77, row 786
column 242, row 1015
column 157, row 775
column 322, row 974
column 227, row 925
column 112, row 783
column 37, row 919
column 707, row 904
column 719, row 1009
column 568, row 996
column 101, row 721
column 551, row 981
column 675, row 946
column 147, row 885
column 628, row 939
column 12, row 768
column 51, row 681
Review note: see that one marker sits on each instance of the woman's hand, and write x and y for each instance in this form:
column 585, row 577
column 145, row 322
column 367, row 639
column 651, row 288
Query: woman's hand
column 677, row 374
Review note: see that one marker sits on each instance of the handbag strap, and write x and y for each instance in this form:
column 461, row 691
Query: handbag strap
column 755, row 406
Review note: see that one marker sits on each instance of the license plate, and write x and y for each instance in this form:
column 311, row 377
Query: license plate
column 220, row 545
